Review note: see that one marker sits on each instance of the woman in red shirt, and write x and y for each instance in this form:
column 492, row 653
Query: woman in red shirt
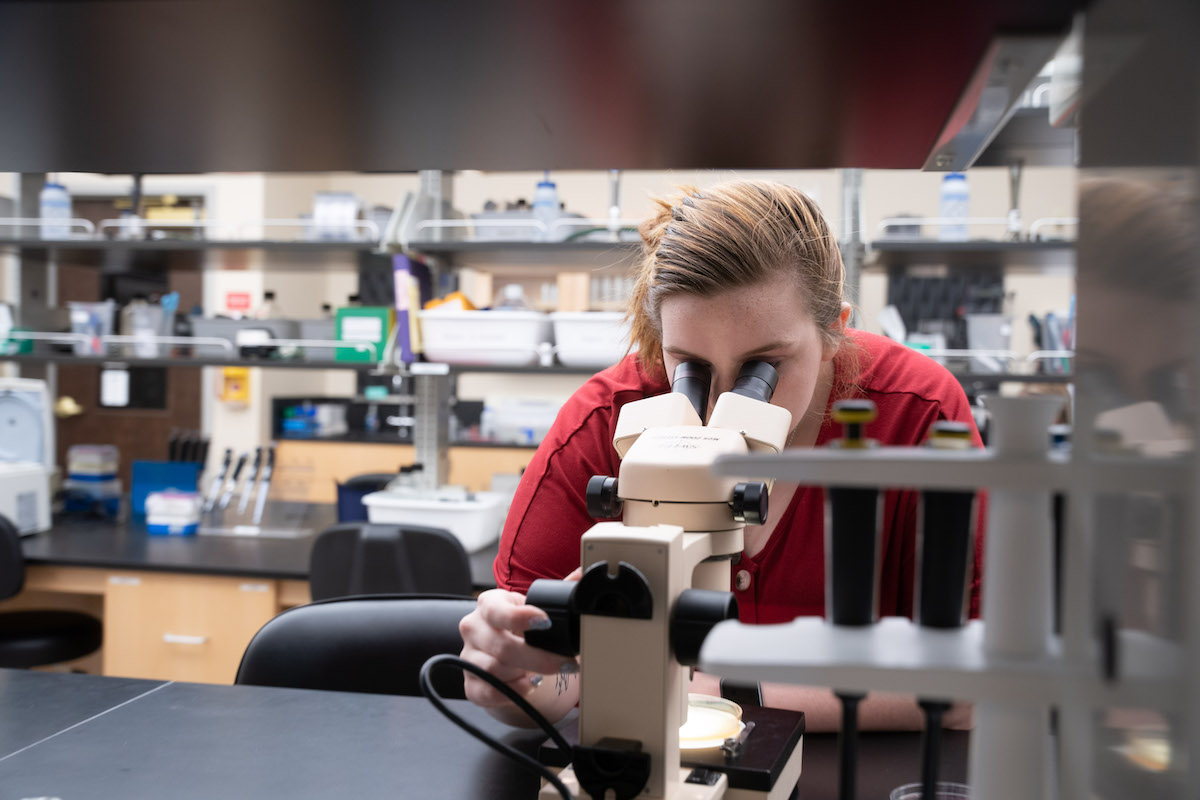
column 746, row 270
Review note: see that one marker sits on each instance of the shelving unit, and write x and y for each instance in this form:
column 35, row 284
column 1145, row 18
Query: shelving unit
column 898, row 252
column 82, row 245
column 295, row 363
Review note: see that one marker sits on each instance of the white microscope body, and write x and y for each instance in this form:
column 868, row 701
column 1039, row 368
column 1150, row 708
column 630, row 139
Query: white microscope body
column 637, row 606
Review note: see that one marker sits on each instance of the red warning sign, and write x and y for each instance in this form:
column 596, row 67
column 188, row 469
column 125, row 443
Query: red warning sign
column 237, row 301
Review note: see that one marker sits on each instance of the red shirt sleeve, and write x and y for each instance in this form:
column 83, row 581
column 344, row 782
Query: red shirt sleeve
column 548, row 515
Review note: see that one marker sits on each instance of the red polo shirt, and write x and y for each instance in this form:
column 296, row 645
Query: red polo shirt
column 787, row 578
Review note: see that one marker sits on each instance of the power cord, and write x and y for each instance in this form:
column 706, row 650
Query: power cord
column 426, row 683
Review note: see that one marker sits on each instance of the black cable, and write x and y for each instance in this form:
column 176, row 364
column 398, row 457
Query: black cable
column 426, row 683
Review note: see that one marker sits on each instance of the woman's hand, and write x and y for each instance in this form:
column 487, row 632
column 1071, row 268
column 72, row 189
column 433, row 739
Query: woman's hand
column 494, row 639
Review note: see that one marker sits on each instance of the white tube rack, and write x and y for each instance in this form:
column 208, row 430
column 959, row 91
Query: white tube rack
column 896, row 655
column 925, row 468
column 1017, row 669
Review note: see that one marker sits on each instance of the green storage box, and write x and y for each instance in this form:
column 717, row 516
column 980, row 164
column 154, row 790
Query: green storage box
column 370, row 324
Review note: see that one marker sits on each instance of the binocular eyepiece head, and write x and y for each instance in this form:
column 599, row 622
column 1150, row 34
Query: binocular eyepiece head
column 756, row 379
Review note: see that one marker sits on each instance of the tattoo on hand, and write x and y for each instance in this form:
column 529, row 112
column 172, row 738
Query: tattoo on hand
column 562, row 682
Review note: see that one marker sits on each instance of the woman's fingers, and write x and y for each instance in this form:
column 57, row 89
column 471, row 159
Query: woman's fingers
column 494, row 640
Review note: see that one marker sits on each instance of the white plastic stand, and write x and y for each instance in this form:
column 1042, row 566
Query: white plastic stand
column 1018, row 601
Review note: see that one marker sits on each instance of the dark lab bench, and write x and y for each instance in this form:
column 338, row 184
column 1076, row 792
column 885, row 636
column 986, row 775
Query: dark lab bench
column 97, row 737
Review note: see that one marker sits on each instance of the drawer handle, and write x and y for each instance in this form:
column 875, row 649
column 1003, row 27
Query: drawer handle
column 179, row 638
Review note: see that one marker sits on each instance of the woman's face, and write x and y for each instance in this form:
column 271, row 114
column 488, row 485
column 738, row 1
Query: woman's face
column 763, row 322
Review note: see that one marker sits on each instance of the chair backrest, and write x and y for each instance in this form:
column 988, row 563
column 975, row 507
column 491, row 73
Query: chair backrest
column 12, row 559
column 373, row 644
column 369, row 558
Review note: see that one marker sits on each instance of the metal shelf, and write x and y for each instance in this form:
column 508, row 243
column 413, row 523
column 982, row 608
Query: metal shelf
column 87, row 244
column 897, row 252
column 459, row 369
column 996, row 378
column 184, row 361
column 361, row 366
column 587, row 254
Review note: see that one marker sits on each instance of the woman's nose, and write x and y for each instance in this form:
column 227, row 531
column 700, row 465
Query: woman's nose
column 716, row 389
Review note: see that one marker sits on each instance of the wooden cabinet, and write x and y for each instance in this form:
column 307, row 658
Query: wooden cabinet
column 182, row 627
column 309, row 471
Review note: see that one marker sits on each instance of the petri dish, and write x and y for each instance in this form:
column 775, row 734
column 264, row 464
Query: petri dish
column 945, row 791
column 710, row 721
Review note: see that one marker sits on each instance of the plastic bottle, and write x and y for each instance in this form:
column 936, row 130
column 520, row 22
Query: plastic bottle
column 55, row 211
column 955, row 206
column 142, row 320
column 545, row 208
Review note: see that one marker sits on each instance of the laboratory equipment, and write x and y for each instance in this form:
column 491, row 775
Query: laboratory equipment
column 1010, row 718
column 945, row 550
column 25, row 496
column 264, row 485
column 852, row 533
column 94, row 321
column 173, row 513
column 248, row 486
column 218, row 480
column 655, row 583
column 231, row 484
column 25, row 418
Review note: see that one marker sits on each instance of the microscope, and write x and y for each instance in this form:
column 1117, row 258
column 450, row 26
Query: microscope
column 654, row 584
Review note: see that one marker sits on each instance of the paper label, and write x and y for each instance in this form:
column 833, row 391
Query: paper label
column 362, row 329
column 114, row 388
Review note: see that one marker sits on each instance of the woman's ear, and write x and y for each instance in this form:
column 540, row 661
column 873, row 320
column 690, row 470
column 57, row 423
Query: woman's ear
column 838, row 326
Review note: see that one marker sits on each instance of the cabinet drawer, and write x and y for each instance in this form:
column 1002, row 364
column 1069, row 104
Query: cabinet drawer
column 182, row 627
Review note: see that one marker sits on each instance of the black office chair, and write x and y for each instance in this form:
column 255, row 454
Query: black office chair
column 369, row 558
column 37, row 638
column 374, row 644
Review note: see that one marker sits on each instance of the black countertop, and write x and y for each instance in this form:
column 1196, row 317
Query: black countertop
column 87, row 736
column 127, row 545
column 184, row 741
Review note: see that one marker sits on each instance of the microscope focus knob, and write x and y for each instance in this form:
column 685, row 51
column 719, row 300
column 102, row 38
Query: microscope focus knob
column 750, row 502
column 557, row 599
column 602, row 499
column 696, row 612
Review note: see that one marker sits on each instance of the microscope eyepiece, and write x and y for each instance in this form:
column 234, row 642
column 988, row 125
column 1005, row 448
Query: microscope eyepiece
column 756, row 379
column 692, row 380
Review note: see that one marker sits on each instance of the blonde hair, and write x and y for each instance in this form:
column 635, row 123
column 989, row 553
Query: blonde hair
column 732, row 235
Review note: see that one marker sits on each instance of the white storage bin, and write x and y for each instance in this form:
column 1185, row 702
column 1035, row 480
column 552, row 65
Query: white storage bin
column 475, row 520
column 590, row 338
column 489, row 338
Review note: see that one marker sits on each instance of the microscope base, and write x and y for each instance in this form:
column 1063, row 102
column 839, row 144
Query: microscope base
column 679, row 791
column 767, row 769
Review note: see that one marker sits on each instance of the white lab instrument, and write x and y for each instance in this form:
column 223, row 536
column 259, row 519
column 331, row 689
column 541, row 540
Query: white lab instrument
column 26, row 453
column 25, row 496
column 655, row 584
